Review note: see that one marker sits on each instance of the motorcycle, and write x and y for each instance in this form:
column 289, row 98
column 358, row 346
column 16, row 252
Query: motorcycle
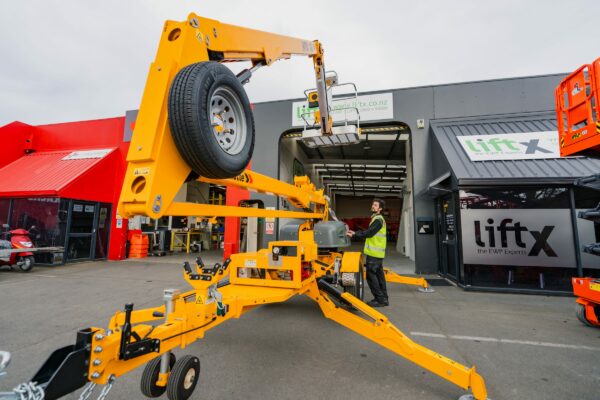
column 14, row 249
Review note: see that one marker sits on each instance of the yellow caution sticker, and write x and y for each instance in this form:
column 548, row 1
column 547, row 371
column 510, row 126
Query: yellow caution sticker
column 141, row 171
column 199, row 300
column 595, row 286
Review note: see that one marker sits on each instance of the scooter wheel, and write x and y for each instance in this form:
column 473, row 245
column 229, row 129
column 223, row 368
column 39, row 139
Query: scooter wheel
column 26, row 263
column 183, row 378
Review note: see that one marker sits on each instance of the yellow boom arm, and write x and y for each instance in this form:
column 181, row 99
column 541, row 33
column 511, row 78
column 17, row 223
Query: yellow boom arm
column 155, row 169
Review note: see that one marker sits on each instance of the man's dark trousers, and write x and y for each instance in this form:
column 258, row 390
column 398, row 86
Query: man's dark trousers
column 376, row 279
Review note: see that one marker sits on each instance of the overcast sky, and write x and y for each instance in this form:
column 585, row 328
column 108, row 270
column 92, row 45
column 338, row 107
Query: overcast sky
column 73, row 60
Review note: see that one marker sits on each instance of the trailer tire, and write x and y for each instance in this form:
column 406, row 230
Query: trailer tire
column 150, row 375
column 184, row 377
column 28, row 263
column 211, row 120
column 358, row 290
column 580, row 313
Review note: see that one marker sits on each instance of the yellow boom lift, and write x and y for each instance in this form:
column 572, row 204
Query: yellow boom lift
column 195, row 122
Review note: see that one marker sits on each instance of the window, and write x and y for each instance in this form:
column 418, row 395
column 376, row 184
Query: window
column 44, row 217
column 544, row 197
column 4, row 208
column 589, row 232
column 586, row 198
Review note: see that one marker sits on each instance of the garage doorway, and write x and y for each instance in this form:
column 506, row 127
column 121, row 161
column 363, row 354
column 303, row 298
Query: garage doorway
column 352, row 175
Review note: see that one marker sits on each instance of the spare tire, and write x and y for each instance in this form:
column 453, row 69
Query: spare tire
column 211, row 120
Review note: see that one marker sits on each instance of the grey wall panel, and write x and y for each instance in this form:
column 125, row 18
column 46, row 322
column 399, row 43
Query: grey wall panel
column 409, row 106
column 519, row 95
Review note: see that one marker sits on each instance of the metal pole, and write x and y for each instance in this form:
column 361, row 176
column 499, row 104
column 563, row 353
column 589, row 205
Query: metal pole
column 575, row 232
column 169, row 297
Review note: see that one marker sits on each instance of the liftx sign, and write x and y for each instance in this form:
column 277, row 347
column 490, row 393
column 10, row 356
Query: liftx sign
column 511, row 146
column 536, row 237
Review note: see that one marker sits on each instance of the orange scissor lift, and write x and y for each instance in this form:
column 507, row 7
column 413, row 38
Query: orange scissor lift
column 577, row 113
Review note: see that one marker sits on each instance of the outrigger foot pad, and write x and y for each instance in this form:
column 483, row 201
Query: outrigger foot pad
column 427, row 289
column 468, row 397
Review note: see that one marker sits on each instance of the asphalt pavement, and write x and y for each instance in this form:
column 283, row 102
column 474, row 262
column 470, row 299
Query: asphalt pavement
column 526, row 347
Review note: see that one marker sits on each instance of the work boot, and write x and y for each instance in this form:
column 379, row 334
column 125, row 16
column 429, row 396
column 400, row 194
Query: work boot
column 375, row 303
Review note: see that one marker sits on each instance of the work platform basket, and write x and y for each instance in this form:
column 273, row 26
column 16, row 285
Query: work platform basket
column 577, row 110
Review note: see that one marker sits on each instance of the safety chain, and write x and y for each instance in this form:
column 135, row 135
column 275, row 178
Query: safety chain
column 87, row 392
column 107, row 388
column 29, row 391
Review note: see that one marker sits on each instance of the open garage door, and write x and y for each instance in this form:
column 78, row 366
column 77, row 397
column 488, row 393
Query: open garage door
column 354, row 174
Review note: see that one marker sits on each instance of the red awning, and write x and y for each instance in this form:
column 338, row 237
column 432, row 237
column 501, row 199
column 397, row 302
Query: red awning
column 48, row 173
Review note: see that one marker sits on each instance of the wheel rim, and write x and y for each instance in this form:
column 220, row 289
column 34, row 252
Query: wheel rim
column 190, row 376
column 26, row 263
column 228, row 120
column 360, row 285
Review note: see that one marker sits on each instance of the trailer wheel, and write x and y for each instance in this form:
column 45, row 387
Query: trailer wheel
column 150, row 376
column 580, row 313
column 357, row 288
column 183, row 378
column 27, row 263
column 211, row 120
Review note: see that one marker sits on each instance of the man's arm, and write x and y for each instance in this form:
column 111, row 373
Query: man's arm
column 373, row 229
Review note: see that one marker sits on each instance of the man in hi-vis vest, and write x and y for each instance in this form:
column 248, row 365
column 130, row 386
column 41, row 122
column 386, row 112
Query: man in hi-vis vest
column 376, row 240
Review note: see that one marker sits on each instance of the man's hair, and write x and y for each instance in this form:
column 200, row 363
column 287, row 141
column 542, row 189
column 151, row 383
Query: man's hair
column 381, row 203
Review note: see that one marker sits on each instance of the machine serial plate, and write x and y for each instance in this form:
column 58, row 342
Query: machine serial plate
column 595, row 286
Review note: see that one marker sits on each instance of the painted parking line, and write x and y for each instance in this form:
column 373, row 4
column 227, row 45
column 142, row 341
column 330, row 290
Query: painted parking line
column 508, row 341
column 14, row 282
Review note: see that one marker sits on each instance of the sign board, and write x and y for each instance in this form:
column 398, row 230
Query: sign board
column 511, row 146
column 269, row 228
column 84, row 154
column 371, row 107
column 587, row 235
column 424, row 225
column 523, row 237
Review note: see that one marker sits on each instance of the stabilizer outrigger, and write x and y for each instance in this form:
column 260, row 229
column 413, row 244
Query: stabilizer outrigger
column 132, row 338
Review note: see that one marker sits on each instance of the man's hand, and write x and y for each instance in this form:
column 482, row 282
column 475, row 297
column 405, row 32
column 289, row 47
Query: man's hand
column 350, row 233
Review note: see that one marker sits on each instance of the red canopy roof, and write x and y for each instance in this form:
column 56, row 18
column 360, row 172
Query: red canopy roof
column 49, row 173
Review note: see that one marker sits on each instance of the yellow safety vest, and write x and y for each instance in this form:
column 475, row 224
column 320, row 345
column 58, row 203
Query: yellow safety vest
column 375, row 245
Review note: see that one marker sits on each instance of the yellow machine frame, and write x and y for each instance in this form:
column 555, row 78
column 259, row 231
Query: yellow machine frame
column 197, row 311
column 156, row 172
